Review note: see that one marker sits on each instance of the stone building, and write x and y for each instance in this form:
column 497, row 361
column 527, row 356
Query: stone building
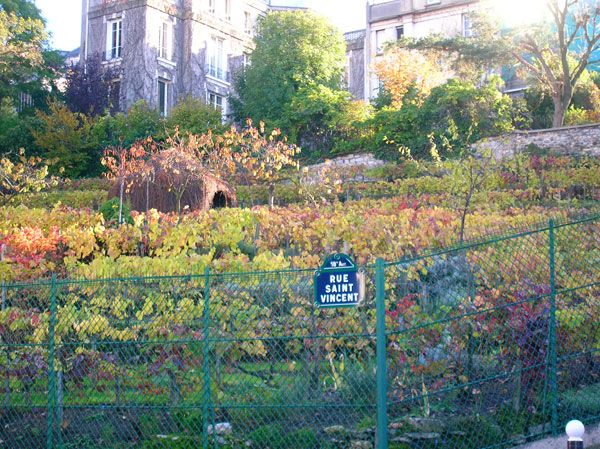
column 354, row 78
column 391, row 20
column 169, row 49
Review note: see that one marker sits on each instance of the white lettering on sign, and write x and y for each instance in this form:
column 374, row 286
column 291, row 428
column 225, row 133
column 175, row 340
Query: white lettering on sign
column 338, row 278
column 340, row 297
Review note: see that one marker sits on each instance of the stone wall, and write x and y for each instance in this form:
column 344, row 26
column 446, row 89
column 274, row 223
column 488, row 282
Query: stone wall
column 350, row 168
column 366, row 160
column 582, row 140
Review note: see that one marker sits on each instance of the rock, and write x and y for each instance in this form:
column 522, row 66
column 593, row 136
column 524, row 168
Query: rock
column 359, row 444
column 335, row 430
column 414, row 436
column 222, row 428
column 427, row 425
column 396, row 425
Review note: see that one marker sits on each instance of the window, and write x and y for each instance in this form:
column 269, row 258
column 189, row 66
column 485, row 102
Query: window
column 247, row 23
column 211, row 6
column 216, row 59
column 163, row 97
column 379, row 40
column 164, row 41
column 227, row 9
column 399, row 32
column 216, row 101
column 467, row 26
column 114, row 39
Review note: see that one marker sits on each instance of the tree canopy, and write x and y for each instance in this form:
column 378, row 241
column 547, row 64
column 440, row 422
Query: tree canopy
column 553, row 54
column 296, row 52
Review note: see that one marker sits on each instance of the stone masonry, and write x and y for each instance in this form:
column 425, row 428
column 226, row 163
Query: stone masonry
column 581, row 140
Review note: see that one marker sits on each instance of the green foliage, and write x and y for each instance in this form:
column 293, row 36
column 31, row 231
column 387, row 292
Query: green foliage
column 122, row 130
column 294, row 80
column 21, row 54
column 21, row 8
column 269, row 437
column 78, row 199
column 66, row 140
column 15, row 129
column 110, row 211
column 581, row 402
column 480, row 431
column 359, row 384
column 172, row 442
column 457, row 114
column 193, row 116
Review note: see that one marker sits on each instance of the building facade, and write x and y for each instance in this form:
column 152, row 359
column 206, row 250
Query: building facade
column 166, row 50
column 391, row 20
column 354, row 78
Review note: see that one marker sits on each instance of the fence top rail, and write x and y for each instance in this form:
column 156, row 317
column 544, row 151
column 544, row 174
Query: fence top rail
column 433, row 252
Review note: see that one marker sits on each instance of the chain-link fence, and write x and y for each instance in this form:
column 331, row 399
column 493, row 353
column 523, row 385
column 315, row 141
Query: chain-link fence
column 489, row 344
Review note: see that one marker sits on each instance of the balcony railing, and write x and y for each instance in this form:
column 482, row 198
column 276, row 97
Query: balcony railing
column 354, row 35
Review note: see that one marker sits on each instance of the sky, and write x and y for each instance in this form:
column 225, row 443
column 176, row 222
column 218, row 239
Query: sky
column 64, row 17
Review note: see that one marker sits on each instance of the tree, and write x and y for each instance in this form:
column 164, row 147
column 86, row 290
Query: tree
column 90, row 88
column 249, row 155
column 559, row 58
column 125, row 129
column 294, row 51
column 193, row 116
column 22, row 8
column 27, row 174
column 555, row 55
column 403, row 69
column 21, row 52
column 66, row 138
column 122, row 163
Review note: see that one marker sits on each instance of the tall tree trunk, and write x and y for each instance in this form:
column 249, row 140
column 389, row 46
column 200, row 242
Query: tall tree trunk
column 121, row 193
column 271, row 196
column 558, row 119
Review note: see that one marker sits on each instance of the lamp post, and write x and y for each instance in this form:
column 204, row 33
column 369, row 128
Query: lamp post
column 575, row 431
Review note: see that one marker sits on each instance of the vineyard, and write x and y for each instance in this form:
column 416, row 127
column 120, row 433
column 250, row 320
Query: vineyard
column 200, row 330
column 491, row 342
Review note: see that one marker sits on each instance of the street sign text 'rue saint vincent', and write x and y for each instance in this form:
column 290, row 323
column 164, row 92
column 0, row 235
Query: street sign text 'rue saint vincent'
column 338, row 283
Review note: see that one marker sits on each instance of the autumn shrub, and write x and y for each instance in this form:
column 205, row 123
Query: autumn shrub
column 77, row 199
column 110, row 212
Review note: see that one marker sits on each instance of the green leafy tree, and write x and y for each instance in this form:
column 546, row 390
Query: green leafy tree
column 21, row 53
column 22, row 8
column 297, row 53
column 66, row 138
column 454, row 115
column 193, row 116
column 124, row 129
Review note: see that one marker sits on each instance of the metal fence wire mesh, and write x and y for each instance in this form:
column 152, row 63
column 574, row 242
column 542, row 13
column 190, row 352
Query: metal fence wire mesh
column 486, row 345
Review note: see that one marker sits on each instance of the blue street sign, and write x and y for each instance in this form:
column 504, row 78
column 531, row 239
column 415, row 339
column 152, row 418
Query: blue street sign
column 337, row 283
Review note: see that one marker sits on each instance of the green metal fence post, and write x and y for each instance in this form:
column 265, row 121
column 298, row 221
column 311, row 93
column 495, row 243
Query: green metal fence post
column 51, row 370
column 382, row 425
column 206, row 355
column 552, row 331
